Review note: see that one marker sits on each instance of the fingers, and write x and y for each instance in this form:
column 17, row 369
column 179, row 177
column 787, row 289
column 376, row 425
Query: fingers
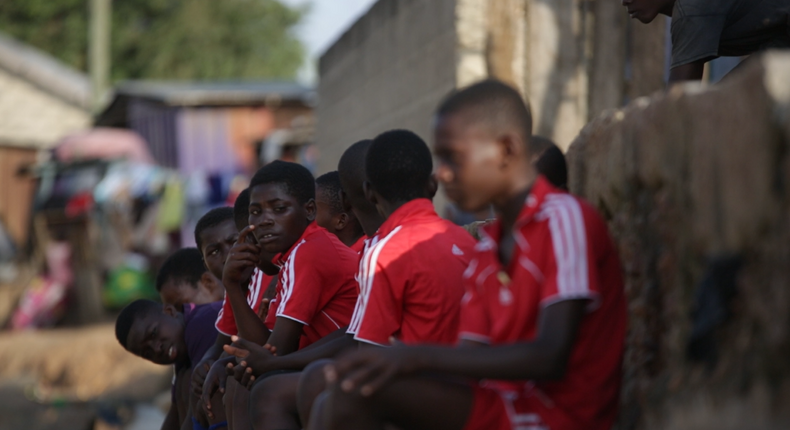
column 247, row 378
column 244, row 233
column 272, row 349
column 383, row 378
column 238, row 371
column 239, row 353
column 359, row 377
column 243, row 344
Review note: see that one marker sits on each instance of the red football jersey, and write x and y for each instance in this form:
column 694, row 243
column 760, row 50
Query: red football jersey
column 226, row 321
column 359, row 245
column 411, row 278
column 563, row 252
column 316, row 285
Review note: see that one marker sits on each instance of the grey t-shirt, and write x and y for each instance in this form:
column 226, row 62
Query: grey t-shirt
column 706, row 29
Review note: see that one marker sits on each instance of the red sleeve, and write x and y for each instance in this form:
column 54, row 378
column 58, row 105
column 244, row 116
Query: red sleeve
column 475, row 323
column 570, row 272
column 300, row 285
column 381, row 314
column 226, row 322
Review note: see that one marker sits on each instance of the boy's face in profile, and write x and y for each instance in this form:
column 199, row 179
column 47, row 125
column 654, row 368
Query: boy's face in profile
column 278, row 217
column 179, row 292
column 159, row 337
column 324, row 215
column 647, row 10
column 469, row 161
column 216, row 242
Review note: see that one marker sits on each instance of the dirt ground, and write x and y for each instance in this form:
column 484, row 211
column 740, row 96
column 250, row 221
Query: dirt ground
column 77, row 379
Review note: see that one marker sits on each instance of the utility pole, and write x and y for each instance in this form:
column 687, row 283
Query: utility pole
column 99, row 51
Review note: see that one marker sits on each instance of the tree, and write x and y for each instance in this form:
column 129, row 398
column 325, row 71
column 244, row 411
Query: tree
column 168, row 39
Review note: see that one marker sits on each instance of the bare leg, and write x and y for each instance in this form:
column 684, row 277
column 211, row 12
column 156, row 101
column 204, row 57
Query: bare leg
column 237, row 398
column 272, row 403
column 419, row 403
column 311, row 384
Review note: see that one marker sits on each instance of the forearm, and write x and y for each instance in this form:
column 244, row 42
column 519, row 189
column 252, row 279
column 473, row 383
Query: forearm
column 533, row 360
column 327, row 347
column 687, row 72
column 248, row 323
column 215, row 351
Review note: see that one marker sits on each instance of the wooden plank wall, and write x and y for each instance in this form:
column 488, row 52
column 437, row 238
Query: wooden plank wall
column 16, row 193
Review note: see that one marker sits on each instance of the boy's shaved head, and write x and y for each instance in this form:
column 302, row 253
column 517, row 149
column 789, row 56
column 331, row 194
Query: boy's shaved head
column 297, row 180
column 210, row 219
column 539, row 144
column 351, row 171
column 493, row 104
column 399, row 166
column 185, row 265
column 135, row 310
column 241, row 209
column 328, row 190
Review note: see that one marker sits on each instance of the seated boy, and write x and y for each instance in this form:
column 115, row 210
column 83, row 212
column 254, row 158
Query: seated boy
column 333, row 216
column 315, row 294
column 703, row 30
column 544, row 315
column 215, row 234
column 410, row 275
column 167, row 334
column 183, row 278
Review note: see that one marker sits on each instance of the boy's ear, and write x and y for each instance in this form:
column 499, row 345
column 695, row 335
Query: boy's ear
column 432, row 186
column 309, row 208
column 512, row 147
column 170, row 310
column 342, row 221
column 370, row 194
column 208, row 281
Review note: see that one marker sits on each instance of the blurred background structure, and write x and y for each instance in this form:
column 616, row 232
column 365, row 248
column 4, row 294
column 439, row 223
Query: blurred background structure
column 110, row 149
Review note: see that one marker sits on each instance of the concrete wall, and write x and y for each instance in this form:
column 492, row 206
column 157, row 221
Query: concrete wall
column 688, row 178
column 32, row 117
column 389, row 70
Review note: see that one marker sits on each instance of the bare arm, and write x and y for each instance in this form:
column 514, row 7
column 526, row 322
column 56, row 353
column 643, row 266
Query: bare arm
column 544, row 358
column 687, row 72
column 242, row 260
column 262, row 361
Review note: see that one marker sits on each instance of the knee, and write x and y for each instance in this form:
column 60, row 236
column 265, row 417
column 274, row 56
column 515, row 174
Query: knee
column 311, row 384
column 264, row 394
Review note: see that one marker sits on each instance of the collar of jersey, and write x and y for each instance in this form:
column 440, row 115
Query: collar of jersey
column 532, row 205
column 417, row 208
column 311, row 228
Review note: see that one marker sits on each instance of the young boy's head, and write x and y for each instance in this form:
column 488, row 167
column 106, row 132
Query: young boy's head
column 215, row 234
column 549, row 161
column 282, row 204
column 647, row 10
column 152, row 331
column 482, row 133
column 241, row 210
column 351, row 171
column 183, row 278
column 398, row 166
column 331, row 214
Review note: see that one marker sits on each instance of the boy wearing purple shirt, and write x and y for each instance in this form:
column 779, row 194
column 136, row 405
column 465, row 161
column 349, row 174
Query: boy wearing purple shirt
column 165, row 334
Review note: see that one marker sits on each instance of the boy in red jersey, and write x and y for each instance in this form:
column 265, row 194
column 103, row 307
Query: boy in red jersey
column 315, row 295
column 544, row 315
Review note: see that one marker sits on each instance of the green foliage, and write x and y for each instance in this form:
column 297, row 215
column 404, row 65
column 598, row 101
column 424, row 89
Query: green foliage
column 168, row 39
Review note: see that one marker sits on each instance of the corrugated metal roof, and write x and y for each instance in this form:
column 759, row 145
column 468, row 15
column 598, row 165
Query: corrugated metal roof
column 45, row 71
column 218, row 93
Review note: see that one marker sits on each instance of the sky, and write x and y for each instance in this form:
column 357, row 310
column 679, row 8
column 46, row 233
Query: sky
column 326, row 21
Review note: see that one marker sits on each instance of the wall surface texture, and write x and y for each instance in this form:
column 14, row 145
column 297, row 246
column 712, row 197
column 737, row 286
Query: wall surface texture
column 695, row 184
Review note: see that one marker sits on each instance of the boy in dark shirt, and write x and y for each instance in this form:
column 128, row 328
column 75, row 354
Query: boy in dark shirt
column 183, row 278
column 543, row 320
column 215, row 234
column 703, row 30
column 167, row 334
column 332, row 215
